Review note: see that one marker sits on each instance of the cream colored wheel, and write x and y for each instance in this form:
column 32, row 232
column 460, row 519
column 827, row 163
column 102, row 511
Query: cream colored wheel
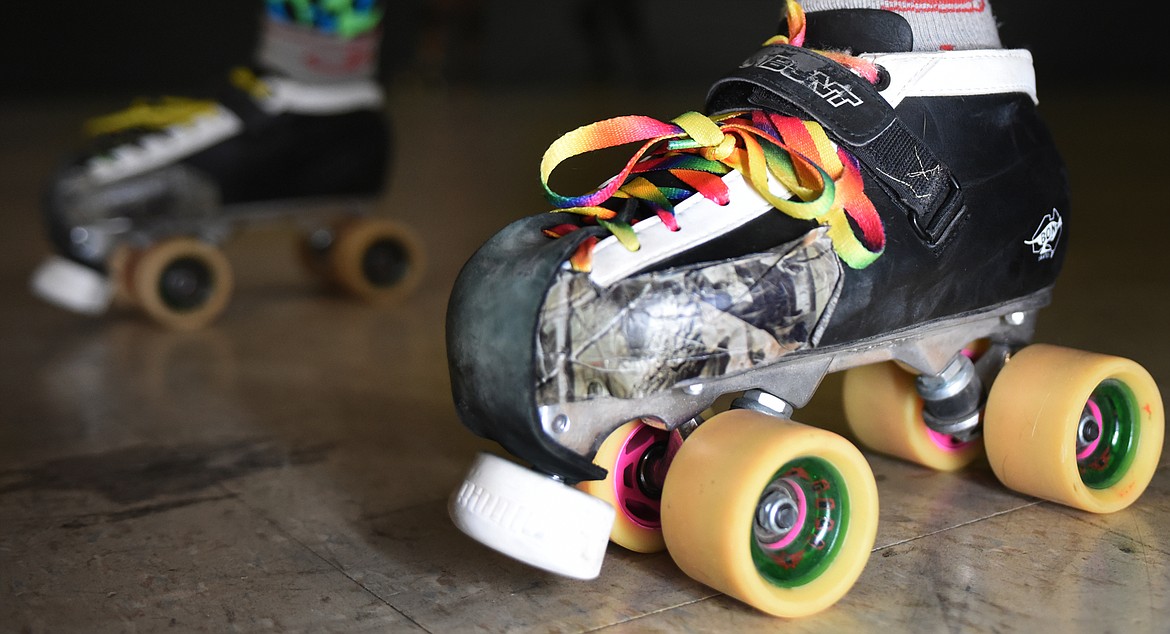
column 636, row 457
column 119, row 266
column 376, row 259
column 182, row 283
column 884, row 412
column 1074, row 427
column 779, row 515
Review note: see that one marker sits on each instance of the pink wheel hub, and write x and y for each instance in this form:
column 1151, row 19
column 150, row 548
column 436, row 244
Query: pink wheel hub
column 640, row 471
column 1091, row 446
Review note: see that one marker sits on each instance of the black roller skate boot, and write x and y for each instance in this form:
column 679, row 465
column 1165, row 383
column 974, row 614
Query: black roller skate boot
column 897, row 214
column 140, row 213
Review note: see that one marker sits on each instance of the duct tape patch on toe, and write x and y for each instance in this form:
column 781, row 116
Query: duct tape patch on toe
column 72, row 286
column 533, row 518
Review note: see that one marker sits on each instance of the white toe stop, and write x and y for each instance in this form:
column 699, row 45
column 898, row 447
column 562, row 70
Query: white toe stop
column 71, row 285
column 533, row 518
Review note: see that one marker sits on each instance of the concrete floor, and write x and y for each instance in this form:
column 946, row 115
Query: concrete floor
column 288, row 468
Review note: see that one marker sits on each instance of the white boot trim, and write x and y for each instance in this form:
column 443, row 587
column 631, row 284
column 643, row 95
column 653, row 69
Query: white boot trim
column 957, row 73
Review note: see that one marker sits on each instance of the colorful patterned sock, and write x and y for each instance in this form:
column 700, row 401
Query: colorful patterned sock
column 937, row 24
column 321, row 40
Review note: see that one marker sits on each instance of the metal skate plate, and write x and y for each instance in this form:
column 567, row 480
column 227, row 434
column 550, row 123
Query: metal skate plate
column 177, row 201
column 927, row 348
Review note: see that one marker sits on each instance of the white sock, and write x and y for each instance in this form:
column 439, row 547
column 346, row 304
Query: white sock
column 937, row 24
column 310, row 55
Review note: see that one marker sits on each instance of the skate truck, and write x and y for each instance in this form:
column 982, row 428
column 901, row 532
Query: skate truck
column 139, row 217
column 897, row 215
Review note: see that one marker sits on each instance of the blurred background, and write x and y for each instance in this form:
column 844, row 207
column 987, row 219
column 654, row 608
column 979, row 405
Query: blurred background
column 108, row 46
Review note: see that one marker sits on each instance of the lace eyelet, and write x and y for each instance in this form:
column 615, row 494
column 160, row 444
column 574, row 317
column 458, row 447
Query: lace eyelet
column 883, row 78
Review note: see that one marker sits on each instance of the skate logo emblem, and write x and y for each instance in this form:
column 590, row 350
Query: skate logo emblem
column 1047, row 236
column 834, row 93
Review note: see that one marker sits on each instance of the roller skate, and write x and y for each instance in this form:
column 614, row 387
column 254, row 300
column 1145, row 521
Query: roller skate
column 900, row 216
column 138, row 217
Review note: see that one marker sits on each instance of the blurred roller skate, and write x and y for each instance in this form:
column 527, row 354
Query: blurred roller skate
column 140, row 215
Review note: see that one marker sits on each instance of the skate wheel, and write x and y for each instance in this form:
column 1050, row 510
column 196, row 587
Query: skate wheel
column 182, row 283
column 376, row 260
column 1074, row 427
column 532, row 518
column 119, row 264
column 884, row 412
column 636, row 457
column 779, row 515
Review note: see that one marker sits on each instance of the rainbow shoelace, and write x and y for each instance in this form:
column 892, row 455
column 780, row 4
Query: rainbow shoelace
column 698, row 151
column 144, row 114
column 166, row 111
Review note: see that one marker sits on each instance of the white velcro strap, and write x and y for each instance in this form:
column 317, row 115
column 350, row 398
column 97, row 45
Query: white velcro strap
column 957, row 73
